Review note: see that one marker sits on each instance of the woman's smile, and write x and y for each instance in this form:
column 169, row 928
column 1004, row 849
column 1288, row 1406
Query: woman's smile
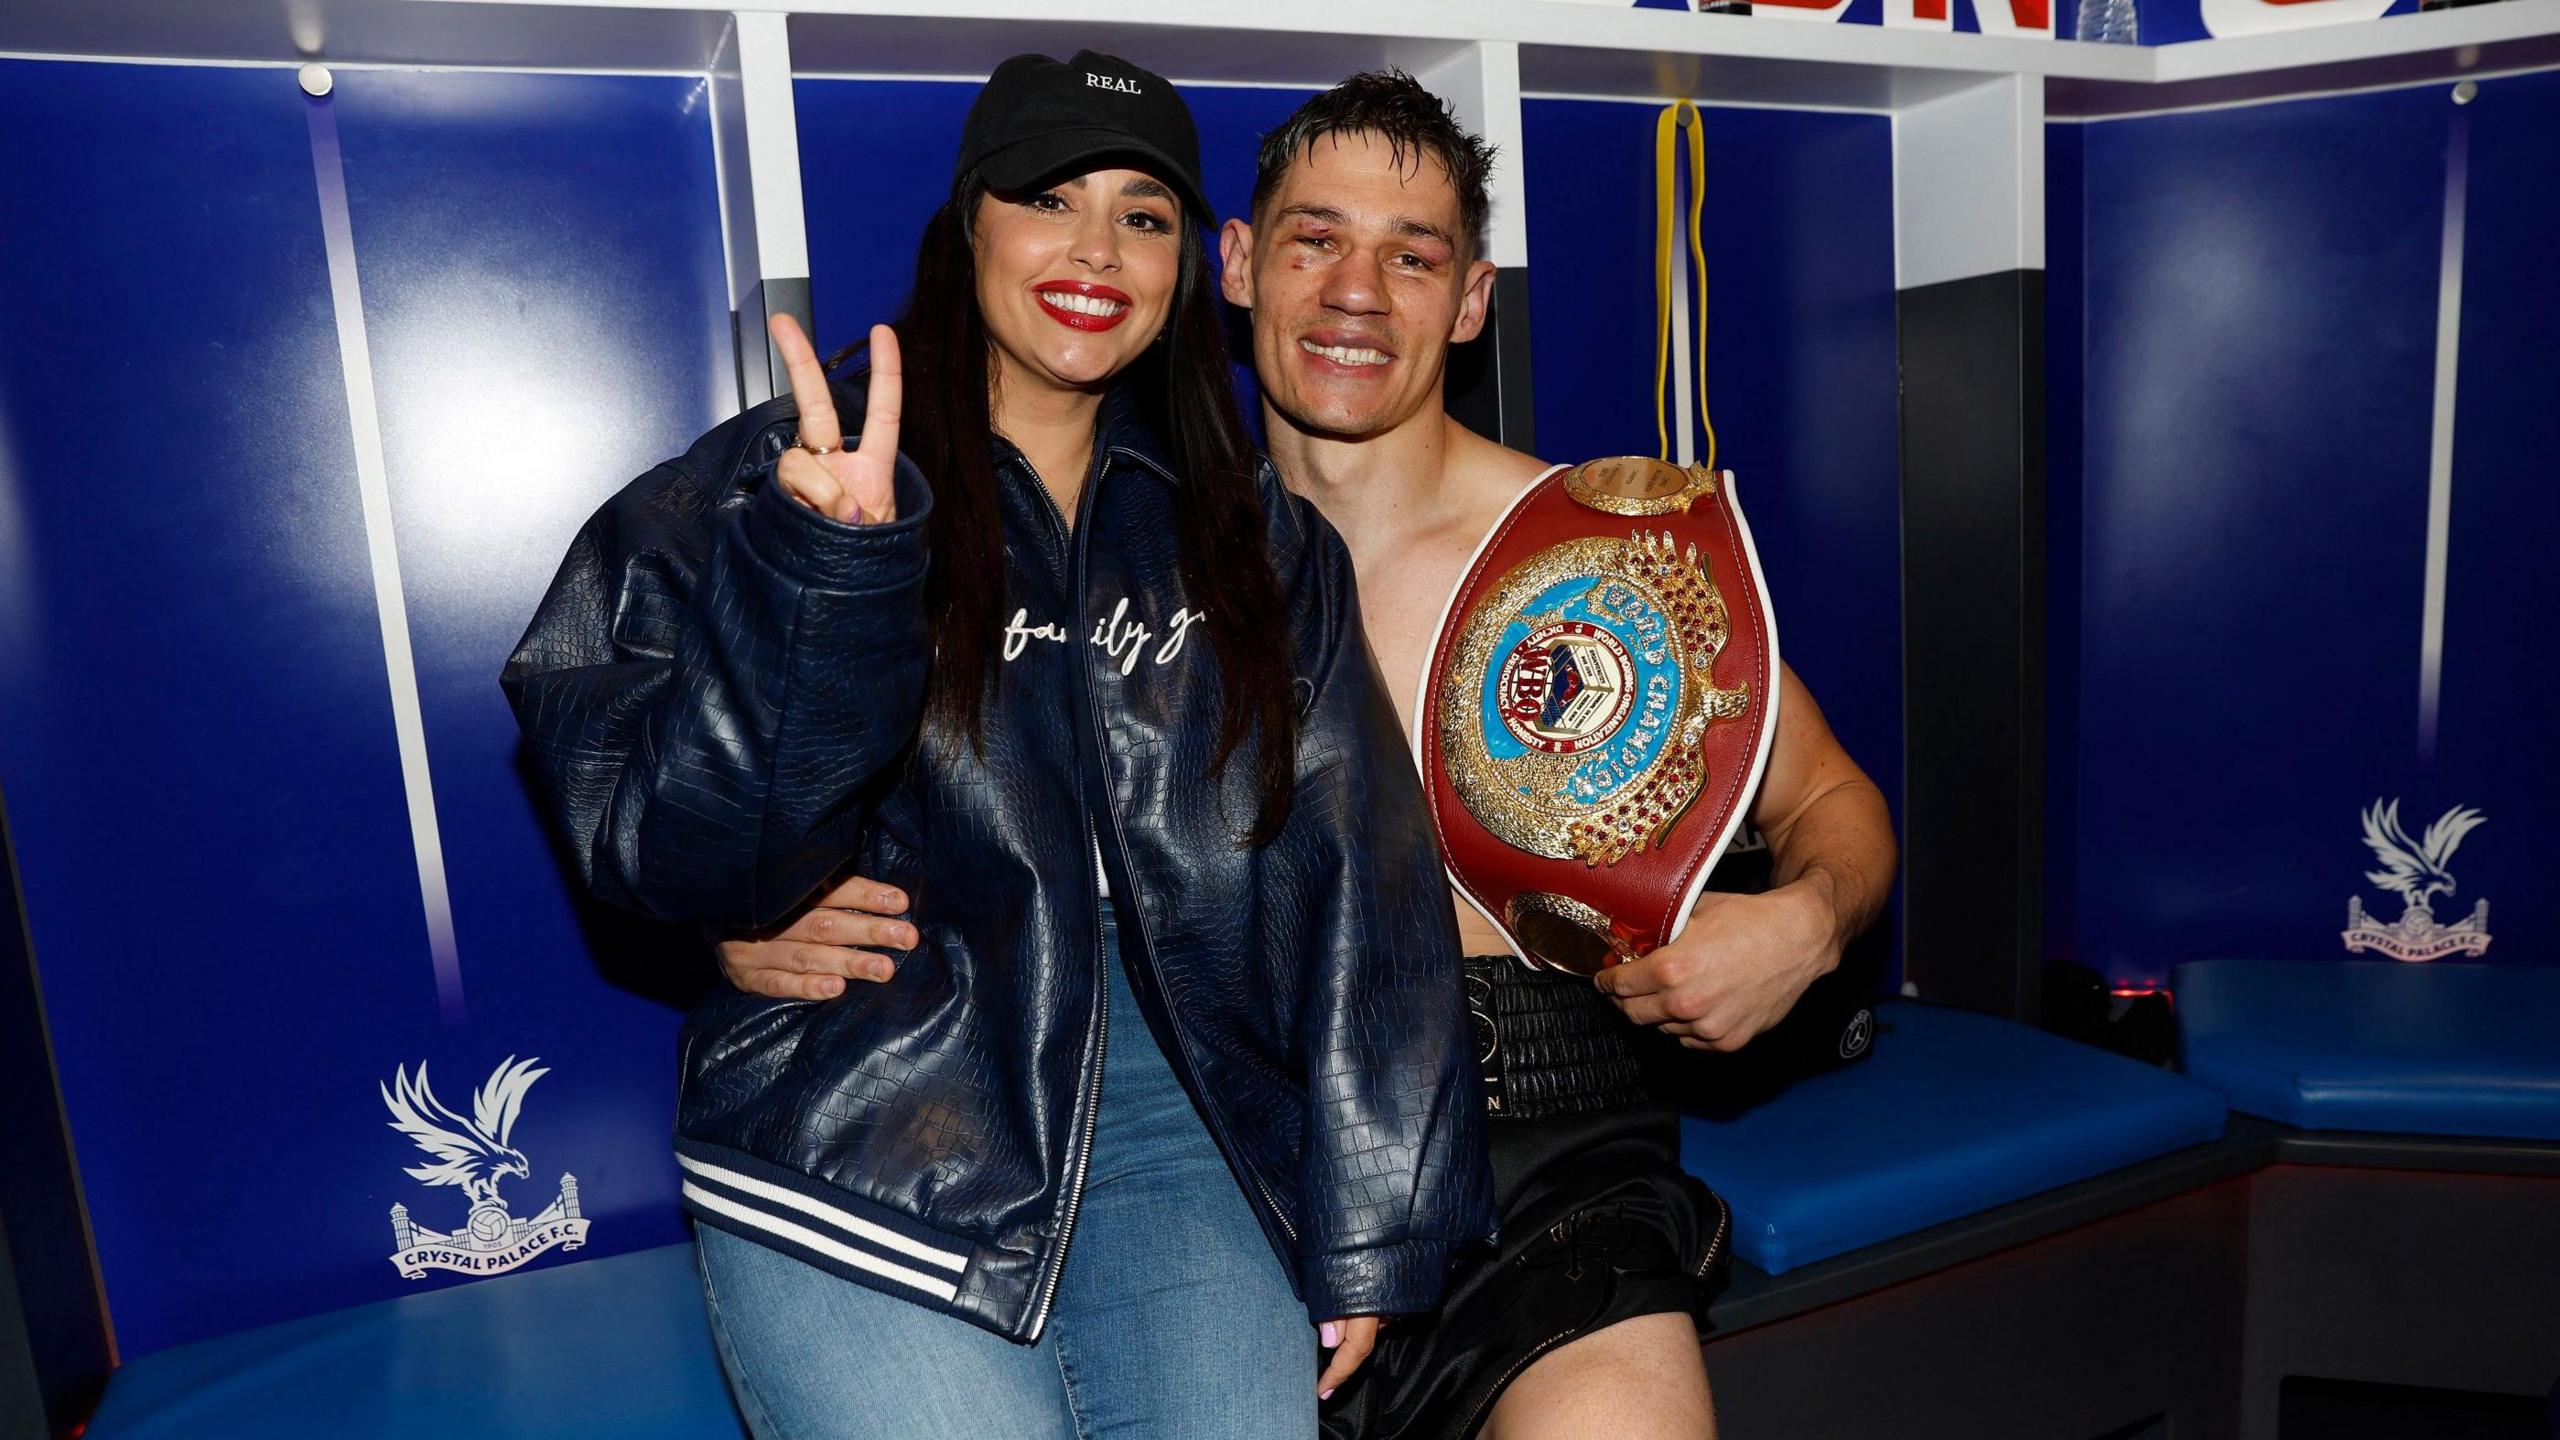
column 1082, row 304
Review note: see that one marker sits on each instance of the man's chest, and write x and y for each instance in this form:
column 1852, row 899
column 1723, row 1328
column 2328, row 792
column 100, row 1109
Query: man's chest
column 1401, row 600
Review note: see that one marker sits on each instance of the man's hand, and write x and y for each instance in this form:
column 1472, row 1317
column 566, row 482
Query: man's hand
column 1350, row 1339
column 1735, row 971
column 1745, row 960
column 857, row 485
column 811, row 958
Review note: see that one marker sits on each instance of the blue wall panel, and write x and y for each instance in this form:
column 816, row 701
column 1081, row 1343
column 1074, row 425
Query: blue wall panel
column 546, row 308
column 2494, row 745
column 875, row 161
column 2261, row 305
column 198, row 762
column 198, row 750
column 1801, row 362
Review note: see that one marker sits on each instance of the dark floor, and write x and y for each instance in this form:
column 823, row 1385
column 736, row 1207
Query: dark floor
column 2345, row 1410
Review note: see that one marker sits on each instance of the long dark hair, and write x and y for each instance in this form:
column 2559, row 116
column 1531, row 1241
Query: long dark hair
column 1182, row 390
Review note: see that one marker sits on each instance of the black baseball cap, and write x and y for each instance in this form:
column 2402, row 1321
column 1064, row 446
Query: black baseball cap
column 1040, row 120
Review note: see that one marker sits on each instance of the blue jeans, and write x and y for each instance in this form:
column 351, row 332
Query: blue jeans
column 1173, row 1317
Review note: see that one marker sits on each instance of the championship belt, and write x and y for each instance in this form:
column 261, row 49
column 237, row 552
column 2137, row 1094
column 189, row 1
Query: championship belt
column 1598, row 706
column 1602, row 694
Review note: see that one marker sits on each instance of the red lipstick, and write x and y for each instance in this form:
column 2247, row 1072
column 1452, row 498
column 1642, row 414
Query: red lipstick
column 1087, row 306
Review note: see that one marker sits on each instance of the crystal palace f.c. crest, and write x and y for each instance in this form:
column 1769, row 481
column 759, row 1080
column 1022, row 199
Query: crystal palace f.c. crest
column 2415, row 871
column 472, row 1154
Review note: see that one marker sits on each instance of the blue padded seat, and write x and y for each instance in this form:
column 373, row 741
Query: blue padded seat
column 2443, row 1048
column 614, row 1349
column 1954, row 1113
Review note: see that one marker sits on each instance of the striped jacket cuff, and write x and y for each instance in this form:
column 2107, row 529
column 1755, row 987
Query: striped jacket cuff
column 868, row 1244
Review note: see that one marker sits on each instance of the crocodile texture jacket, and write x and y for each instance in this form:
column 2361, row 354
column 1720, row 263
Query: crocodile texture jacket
column 722, row 694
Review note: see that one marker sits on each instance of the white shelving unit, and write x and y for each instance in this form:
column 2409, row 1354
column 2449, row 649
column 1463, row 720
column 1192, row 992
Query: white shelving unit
column 1563, row 48
column 1968, row 110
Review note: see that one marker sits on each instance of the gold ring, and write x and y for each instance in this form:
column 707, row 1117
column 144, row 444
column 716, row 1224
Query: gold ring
column 812, row 449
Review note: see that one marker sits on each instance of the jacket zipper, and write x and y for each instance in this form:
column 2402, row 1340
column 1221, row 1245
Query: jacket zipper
column 1092, row 1105
column 1101, row 1026
column 1138, row 921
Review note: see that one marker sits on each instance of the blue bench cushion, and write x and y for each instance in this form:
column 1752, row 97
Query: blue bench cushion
column 615, row 1349
column 2444, row 1048
column 1954, row 1113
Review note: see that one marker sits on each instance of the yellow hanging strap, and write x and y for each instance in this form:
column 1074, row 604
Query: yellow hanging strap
column 1675, row 117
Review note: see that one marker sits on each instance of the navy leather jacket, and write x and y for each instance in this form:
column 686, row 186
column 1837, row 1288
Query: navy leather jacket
column 723, row 691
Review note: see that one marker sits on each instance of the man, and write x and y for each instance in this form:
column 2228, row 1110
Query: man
column 1361, row 265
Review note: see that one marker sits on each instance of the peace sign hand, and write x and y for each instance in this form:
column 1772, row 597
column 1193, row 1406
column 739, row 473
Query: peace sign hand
column 857, row 486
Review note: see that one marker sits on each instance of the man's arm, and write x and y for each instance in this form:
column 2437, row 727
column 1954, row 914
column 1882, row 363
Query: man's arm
column 1826, row 823
column 1743, row 960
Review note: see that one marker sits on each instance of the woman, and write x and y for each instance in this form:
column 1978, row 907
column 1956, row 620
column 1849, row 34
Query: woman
column 1178, row 1029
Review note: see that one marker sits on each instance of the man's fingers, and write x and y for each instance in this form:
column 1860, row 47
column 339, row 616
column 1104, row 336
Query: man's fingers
column 809, row 392
column 753, row 965
column 859, row 893
column 1698, row 1035
column 787, row 984
column 1359, row 1334
column 844, row 927
column 831, row 960
column 1636, row 977
column 1644, row 1009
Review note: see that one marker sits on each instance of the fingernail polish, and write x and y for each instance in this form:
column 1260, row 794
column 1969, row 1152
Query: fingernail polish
column 1324, row 1394
column 1329, row 1334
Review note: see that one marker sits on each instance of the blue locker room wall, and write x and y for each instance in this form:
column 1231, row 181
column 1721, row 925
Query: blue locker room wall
column 2260, row 288
column 1802, row 373
column 2494, row 745
column 198, row 750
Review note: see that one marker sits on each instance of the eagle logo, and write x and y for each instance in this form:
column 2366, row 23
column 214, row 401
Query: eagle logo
column 475, row 1153
column 2416, row 871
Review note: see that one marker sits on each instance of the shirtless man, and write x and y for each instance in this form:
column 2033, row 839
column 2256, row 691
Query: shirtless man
column 1361, row 267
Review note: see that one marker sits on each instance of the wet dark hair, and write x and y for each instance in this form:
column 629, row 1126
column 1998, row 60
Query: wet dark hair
column 1182, row 391
column 1413, row 121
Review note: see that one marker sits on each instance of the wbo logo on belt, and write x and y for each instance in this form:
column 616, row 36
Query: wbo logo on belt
column 1598, row 707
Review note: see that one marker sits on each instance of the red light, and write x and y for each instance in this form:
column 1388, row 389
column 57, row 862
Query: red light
column 2135, row 992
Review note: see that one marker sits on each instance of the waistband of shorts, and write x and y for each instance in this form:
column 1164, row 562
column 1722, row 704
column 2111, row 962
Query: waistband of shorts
column 1548, row 1043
